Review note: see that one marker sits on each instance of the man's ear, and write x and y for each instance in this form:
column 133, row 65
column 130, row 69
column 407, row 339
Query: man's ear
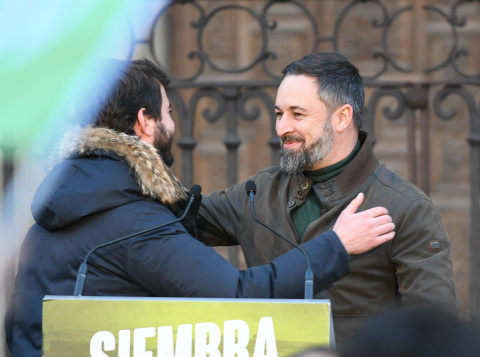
column 343, row 118
column 143, row 128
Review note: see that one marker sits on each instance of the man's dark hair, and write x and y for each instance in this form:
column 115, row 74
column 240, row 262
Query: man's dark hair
column 338, row 81
column 120, row 91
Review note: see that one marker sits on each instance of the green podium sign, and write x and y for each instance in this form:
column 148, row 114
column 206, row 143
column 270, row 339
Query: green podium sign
column 183, row 327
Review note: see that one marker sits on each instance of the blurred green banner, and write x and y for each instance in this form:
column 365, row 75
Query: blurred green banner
column 47, row 49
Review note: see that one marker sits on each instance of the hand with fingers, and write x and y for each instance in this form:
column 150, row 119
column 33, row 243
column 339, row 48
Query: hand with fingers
column 362, row 231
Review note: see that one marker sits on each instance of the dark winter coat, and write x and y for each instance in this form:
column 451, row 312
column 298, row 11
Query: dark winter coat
column 110, row 185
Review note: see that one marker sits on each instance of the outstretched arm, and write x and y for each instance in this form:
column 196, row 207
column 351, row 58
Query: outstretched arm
column 174, row 264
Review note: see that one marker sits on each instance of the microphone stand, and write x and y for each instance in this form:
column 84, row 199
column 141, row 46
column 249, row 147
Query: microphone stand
column 308, row 272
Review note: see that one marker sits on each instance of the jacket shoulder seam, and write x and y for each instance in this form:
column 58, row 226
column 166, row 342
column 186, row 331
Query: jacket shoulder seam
column 411, row 198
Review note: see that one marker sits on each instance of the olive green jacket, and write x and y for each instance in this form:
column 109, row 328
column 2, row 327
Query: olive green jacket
column 414, row 268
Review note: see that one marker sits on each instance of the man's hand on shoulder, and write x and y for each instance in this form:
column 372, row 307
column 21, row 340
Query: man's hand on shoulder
column 360, row 232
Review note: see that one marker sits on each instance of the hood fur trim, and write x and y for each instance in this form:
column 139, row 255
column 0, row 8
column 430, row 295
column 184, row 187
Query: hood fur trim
column 153, row 176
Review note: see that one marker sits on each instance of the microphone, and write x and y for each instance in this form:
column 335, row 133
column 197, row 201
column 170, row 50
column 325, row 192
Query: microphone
column 251, row 190
column 82, row 270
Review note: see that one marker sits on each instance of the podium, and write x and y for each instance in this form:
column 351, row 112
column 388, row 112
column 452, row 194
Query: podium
column 183, row 327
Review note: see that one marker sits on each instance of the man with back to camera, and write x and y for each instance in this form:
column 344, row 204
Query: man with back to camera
column 326, row 160
column 112, row 180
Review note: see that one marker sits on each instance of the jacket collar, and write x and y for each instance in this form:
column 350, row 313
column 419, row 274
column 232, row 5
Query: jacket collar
column 360, row 168
column 344, row 184
column 153, row 176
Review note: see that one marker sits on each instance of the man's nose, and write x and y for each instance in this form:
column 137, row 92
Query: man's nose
column 284, row 126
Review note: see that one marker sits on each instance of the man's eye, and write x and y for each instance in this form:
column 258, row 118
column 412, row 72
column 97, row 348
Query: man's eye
column 278, row 114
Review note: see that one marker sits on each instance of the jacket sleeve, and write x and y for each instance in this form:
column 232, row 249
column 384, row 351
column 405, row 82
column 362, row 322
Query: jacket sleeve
column 421, row 256
column 228, row 205
column 175, row 264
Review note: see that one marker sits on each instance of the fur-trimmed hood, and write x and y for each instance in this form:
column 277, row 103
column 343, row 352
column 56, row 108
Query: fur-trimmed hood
column 97, row 169
column 153, row 176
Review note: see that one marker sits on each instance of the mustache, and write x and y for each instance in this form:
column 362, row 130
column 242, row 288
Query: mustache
column 292, row 138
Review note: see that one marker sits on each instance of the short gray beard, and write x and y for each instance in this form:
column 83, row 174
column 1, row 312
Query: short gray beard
column 304, row 159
